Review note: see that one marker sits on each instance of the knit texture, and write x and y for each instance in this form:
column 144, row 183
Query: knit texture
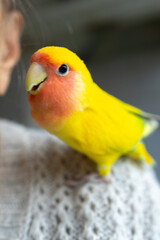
column 37, row 202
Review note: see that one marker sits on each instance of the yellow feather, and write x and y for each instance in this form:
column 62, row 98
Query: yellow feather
column 103, row 127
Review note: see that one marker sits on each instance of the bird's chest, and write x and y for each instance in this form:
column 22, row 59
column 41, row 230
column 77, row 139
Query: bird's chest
column 84, row 134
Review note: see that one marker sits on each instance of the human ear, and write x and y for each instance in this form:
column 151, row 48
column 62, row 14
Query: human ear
column 10, row 49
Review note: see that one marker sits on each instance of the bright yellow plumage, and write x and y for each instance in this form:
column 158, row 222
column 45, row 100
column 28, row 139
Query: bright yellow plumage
column 104, row 130
column 100, row 126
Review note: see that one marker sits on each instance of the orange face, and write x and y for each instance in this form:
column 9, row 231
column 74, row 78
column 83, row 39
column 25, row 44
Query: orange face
column 55, row 97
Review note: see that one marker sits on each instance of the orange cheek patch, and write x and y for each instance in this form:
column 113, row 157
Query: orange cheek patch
column 58, row 95
column 56, row 99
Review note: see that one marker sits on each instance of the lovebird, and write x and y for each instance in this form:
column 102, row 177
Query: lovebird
column 66, row 102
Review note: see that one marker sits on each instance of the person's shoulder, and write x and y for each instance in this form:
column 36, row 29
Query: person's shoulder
column 13, row 133
column 10, row 125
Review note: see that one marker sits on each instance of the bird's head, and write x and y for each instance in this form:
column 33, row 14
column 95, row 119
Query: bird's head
column 56, row 83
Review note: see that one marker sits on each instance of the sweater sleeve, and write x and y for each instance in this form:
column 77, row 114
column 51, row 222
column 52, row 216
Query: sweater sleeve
column 37, row 202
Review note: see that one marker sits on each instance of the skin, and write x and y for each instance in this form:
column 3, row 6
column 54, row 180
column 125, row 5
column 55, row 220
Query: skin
column 10, row 32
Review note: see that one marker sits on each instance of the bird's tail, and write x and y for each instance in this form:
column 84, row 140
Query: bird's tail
column 151, row 120
column 150, row 126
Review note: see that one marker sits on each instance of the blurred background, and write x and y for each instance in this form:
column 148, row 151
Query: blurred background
column 119, row 40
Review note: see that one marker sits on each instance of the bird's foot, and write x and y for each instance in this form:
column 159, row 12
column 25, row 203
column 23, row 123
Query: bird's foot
column 96, row 178
column 93, row 178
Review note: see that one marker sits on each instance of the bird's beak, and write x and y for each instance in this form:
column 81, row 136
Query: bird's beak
column 35, row 78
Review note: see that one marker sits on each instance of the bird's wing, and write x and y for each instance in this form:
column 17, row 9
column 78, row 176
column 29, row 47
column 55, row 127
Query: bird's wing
column 151, row 120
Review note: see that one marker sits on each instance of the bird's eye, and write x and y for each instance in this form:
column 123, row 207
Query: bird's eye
column 63, row 70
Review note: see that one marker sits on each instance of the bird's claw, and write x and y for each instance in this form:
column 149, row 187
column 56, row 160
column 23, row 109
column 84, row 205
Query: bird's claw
column 93, row 178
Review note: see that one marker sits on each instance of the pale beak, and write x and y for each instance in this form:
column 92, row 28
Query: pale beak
column 35, row 78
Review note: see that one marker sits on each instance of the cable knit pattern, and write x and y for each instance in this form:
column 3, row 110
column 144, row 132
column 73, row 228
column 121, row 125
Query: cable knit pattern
column 37, row 203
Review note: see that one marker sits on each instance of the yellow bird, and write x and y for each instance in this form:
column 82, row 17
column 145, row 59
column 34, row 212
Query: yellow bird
column 66, row 102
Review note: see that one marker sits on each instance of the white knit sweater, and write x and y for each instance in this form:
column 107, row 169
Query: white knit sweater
column 37, row 204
